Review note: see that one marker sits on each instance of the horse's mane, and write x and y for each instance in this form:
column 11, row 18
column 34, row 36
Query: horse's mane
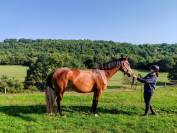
column 109, row 65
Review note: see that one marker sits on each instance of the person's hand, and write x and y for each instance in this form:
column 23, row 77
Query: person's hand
column 134, row 76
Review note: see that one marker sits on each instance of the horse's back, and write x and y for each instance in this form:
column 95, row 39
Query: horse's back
column 61, row 73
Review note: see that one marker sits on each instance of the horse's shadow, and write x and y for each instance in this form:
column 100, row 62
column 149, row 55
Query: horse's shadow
column 101, row 110
column 24, row 112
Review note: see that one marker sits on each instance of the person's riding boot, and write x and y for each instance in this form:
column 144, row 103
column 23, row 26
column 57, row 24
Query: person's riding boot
column 152, row 111
column 146, row 110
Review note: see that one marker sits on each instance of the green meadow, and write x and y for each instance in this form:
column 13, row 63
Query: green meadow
column 119, row 109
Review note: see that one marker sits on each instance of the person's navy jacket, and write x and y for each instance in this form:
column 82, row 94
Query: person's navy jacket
column 149, row 83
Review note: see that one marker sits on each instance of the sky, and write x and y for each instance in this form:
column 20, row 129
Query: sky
column 133, row 21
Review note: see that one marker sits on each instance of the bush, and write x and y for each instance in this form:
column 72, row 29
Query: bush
column 173, row 72
column 166, row 64
column 31, row 88
column 12, row 85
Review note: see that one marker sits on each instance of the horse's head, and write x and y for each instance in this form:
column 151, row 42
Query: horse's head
column 125, row 66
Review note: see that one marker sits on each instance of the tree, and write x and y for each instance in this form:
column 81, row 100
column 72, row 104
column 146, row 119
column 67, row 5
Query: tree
column 166, row 64
column 173, row 72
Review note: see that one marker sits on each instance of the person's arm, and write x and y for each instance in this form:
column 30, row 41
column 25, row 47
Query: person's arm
column 147, row 80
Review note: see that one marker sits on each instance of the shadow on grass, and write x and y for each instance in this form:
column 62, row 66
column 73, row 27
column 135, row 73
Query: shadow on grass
column 23, row 111
column 102, row 110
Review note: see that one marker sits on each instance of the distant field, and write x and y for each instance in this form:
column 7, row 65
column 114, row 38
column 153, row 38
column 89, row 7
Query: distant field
column 16, row 71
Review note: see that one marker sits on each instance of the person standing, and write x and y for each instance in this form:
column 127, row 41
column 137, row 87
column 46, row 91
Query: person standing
column 149, row 81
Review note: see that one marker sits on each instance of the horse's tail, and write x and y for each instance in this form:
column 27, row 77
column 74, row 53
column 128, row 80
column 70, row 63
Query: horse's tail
column 50, row 94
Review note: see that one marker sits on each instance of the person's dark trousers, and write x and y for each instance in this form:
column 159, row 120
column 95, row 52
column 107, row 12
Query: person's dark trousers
column 147, row 100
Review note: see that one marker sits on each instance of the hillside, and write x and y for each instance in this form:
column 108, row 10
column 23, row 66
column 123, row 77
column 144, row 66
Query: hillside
column 87, row 53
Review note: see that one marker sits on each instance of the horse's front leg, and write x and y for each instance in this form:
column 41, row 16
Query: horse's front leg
column 96, row 96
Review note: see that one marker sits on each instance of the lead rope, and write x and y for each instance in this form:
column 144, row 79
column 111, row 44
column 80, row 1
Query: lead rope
column 141, row 91
column 131, row 82
column 134, row 84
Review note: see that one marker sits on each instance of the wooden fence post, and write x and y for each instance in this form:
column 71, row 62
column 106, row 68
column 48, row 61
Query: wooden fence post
column 5, row 90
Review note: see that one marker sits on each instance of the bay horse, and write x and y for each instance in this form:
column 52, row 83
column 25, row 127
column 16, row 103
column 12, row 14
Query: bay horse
column 82, row 81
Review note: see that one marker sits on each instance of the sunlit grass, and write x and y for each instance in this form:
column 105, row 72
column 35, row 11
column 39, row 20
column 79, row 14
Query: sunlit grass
column 119, row 109
column 118, row 112
column 15, row 71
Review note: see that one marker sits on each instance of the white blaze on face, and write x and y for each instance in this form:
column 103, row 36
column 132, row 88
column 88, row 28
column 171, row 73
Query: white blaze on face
column 129, row 70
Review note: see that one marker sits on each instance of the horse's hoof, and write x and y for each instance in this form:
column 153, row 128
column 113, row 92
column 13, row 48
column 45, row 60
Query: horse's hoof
column 62, row 114
column 50, row 114
column 96, row 115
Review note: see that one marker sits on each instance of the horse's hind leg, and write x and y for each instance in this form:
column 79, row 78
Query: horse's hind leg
column 96, row 96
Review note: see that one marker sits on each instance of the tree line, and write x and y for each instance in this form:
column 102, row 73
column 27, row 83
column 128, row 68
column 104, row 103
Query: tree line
column 44, row 55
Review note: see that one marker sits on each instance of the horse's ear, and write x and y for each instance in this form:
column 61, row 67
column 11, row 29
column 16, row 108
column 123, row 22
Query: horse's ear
column 122, row 56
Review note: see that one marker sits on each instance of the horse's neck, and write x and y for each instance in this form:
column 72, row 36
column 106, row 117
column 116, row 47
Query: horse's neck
column 109, row 73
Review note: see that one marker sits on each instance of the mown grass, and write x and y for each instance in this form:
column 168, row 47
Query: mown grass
column 119, row 111
column 15, row 71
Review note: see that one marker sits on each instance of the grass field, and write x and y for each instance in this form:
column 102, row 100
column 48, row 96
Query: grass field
column 119, row 110
column 16, row 71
